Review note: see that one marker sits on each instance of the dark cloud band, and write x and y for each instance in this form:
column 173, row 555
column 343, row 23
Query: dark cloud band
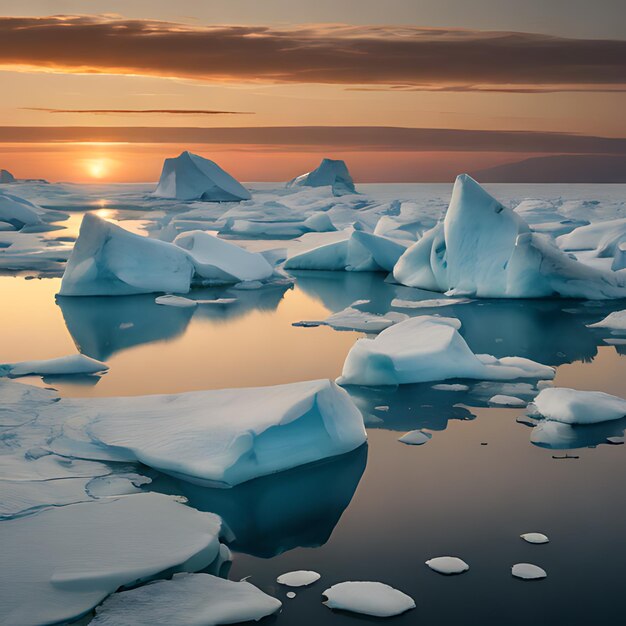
column 139, row 111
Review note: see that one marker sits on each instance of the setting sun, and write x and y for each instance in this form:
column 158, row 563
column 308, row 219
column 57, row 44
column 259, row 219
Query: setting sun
column 97, row 168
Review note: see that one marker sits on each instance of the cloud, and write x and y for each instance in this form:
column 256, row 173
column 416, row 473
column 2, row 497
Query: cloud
column 349, row 138
column 139, row 111
column 406, row 57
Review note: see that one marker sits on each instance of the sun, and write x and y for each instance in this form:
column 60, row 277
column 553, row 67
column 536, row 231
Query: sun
column 97, row 168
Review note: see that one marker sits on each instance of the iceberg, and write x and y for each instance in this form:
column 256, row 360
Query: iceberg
column 614, row 321
column 483, row 249
column 192, row 177
column 601, row 237
column 572, row 406
column 62, row 366
column 219, row 261
column 97, row 547
column 368, row 598
column 333, row 172
column 360, row 252
column 6, row 177
column 219, row 438
column 110, row 261
column 429, row 348
column 187, row 600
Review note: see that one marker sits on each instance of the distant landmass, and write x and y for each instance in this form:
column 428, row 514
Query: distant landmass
column 568, row 168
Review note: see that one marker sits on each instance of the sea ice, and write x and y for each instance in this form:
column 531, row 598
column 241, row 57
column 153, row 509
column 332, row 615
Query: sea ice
column 192, row 177
column 62, row 366
column 572, row 406
column 66, row 560
column 301, row 578
column 186, row 600
column 17, row 211
column 110, row 261
column 423, row 304
column 601, row 237
column 194, row 436
column 368, row 598
column 502, row 400
column 527, row 571
column 353, row 319
column 415, row 438
column 447, row 565
column 219, row 261
column 535, row 538
column 484, row 249
column 333, row 172
column 428, row 348
column 615, row 321
column 177, row 301
column 451, row 387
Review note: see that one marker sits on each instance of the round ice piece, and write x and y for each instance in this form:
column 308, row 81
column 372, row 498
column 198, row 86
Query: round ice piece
column 527, row 571
column 448, row 565
column 368, row 598
column 291, row 595
column 415, row 437
column 535, row 538
column 300, row 578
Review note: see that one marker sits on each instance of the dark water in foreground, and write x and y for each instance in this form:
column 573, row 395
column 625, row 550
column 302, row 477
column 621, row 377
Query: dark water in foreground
column 381, row 511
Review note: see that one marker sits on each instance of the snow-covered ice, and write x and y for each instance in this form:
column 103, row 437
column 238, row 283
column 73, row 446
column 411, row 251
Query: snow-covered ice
column 187, row 600
column 368, row 598
column 353, row 319
column 615, row 321
column 300, row 578
column 573, row 406
column 176, row 301
column 510, row 401
column 61, row 366
column 528, row 571
column 332, row 172
column 428, row 348
column 426, row 304
column 415, row 438
column 535, row 538
column 192, row 177
column 447, row 565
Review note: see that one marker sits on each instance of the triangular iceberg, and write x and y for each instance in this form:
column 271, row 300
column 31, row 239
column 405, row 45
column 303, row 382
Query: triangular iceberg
column 192, row 177
column 333, row 172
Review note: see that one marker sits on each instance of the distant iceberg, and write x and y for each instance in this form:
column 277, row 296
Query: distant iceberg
column 6, row 177
column 330, row 172
column 192, row 177
column 486, row 250
column 429, row 348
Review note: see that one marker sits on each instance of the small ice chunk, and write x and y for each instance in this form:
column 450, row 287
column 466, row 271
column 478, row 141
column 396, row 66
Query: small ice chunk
column 616, row 441
column 424, row 304
column 447, row 565
column 62, row 366
column 353, row 319
column 187, row 600
column 300, row 578
column 572, row 406
column 615, row 320
column 368, row 598
column 177, row 301
column 415, row 437
column 502, row 400
column 291, row 595
column 535, row 538
column 528, row 571
column 451, row 387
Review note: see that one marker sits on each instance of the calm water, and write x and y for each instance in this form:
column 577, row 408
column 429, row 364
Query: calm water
column 380, row 512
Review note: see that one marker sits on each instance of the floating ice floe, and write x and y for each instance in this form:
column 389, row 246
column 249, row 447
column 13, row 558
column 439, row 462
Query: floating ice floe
column 110, row 261
column 572, row 406
column 98, row 546
column 415, row 438
column 62, row 366
column 528, row 571
column 301, row 578
column 192, row 177
column 510, row 401
column 426, row 304
column 17, row 211
column 360, row 252
column 614, row 321
column 177, row 301
column 428, row 348
column 194, row 435
column 368, row 598
column 187, row 600
column 535, row 538
column 353, row 319
column 291, row 595
column 484, row 249
column 219, row 261
column 451, row 387
column 447, row 565
column 333, row 172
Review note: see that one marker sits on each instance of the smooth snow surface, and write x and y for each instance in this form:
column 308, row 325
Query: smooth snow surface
column 187, row 600
column 535, row 538
column 528, row 571
column 66, row 560
column 487, row 250
column 615, row 321
column 415, row 437
column 368, row 598
column 110, row 261
column 219, row 261
column 333, row 172
column 572, row 406
column 300, row 578
column 222, row 437
column 428, row 348
column 192, row 177
column 62, row 366
column 447, row 565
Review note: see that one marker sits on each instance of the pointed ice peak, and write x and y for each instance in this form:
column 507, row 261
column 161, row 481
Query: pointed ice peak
column 333, row 172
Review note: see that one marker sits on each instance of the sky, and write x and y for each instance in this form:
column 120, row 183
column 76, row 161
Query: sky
column 405, row 90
